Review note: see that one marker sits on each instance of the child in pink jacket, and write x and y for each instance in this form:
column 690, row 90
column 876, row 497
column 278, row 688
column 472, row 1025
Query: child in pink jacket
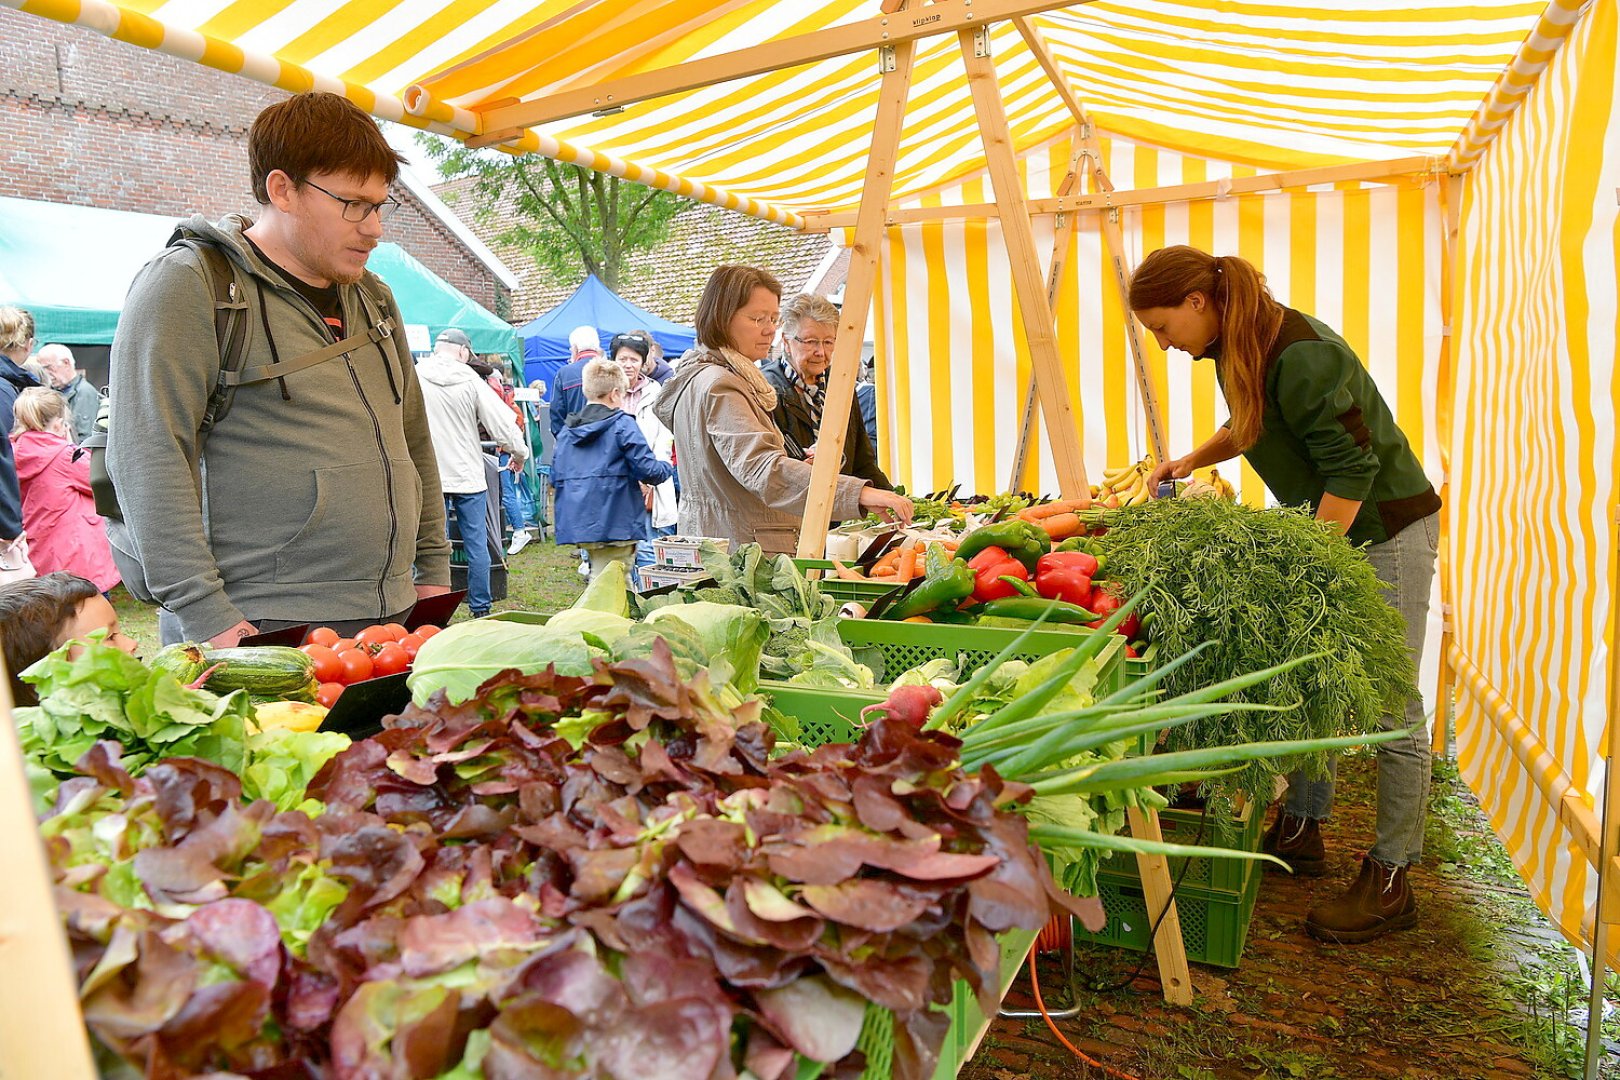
column 59, row 513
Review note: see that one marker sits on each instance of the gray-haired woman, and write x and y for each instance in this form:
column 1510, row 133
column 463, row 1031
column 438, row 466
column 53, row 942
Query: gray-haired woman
column 809, row 332
column 738, row 480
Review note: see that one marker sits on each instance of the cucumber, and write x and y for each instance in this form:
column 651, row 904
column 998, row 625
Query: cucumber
column 266, row 671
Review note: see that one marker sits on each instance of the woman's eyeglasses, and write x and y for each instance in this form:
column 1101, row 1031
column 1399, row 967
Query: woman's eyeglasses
column 824, row 344
column 762, row 321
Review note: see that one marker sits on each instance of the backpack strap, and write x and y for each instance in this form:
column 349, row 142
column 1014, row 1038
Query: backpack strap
column 383, row 328
column 230, row 301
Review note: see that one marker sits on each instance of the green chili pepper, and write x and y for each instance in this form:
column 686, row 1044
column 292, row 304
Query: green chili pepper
column 1023, row 540
column 952, row 584
column 1020, row 585
column 1032, row 607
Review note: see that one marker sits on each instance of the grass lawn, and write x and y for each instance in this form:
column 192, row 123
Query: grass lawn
column 542, row 577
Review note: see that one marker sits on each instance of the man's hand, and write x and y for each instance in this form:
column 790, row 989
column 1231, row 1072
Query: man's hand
column 515, row 466
column 233, row 636
column 425, row 591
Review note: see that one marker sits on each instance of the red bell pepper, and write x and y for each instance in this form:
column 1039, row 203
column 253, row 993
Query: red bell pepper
column 989, row 567
column 1066, row 575
column 1105, row 603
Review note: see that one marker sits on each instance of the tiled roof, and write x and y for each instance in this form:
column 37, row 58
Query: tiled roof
column 667, row 280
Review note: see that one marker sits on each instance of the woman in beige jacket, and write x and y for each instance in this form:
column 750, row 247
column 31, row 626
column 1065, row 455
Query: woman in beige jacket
column 737, row 478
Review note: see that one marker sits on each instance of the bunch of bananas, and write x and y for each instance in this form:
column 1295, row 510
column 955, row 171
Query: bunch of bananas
column 1124, row 486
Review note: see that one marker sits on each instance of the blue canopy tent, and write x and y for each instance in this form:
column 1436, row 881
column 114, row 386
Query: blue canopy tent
column 545, row 338
column 70, row 266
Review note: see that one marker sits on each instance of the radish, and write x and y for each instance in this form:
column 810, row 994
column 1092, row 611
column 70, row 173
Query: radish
column 908, row 704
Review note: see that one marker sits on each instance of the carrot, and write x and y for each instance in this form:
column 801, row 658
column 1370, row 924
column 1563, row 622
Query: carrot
column 1053, row 509
column 1061, row 526
column 907, row 567
column 846, row 573
column 883, row 571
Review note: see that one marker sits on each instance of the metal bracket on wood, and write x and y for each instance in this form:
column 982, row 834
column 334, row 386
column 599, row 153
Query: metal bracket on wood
column 885, row 59
column 981, row 41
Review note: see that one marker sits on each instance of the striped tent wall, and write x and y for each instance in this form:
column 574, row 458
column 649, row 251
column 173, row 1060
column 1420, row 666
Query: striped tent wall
column 1532, row 465
column 952, row 358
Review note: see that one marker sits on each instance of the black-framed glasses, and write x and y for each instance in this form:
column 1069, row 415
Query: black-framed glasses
column 357, row 210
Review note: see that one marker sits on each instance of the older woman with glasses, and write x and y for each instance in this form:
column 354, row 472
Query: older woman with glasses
column 738, row 480
column 809, row 332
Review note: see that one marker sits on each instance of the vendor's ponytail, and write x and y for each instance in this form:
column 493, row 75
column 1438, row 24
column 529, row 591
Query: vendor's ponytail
column 1249, row 319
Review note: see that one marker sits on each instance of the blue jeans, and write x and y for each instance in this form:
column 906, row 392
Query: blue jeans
column 1405, row 565
column 469, row 512
column 511, row 502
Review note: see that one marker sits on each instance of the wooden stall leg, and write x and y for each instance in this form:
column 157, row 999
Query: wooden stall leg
column 1158, row 891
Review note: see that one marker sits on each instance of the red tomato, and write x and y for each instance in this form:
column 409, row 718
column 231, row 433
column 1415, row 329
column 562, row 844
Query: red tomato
column 327, row 665
column 323, row 635
column 328, row 693
column 390, row 660
column 396, row 629
column 343, row 644
column 356, row 666
column 426, row 631
column 411, row 643
column 374, row 635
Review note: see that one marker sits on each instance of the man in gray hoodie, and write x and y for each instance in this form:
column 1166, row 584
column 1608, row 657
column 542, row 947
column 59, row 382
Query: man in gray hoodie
column 316, row 497
column 458, row 402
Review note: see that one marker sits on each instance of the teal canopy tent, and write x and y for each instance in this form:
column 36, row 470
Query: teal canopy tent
column 70, row 267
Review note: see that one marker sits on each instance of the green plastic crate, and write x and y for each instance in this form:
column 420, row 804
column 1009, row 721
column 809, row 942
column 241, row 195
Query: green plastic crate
column 1239, row 832
column 907, row 645
column 968, row 1024
column 825, row 715
column 842, row 590
column 1214, row 924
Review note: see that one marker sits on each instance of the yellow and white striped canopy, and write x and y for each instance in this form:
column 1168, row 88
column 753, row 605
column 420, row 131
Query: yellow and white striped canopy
column 1248, row 81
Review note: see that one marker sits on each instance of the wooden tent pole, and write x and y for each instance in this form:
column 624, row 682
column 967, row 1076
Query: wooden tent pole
column 1606, row 909
column 1062, row 236
column 895, row 63
column 1028, row 286
column 41, row 1027
column 1450, row 192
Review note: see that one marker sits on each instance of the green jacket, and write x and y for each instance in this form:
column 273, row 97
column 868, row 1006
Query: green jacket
column 1328, row 429
column 321, row 492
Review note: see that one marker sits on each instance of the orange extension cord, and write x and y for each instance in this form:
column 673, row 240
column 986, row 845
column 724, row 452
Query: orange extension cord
column 1053, row 936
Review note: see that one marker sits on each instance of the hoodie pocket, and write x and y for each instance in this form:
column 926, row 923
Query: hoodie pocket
column 345, row 535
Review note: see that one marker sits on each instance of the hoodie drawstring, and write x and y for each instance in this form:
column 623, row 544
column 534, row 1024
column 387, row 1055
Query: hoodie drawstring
column 275, row 355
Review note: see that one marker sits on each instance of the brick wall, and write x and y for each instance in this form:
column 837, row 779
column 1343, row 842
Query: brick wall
column 95, row 122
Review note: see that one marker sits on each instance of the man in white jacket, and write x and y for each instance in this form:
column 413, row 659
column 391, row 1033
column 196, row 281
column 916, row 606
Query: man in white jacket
column 458, row 401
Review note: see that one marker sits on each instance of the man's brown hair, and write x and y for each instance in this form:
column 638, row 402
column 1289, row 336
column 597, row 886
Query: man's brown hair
column 317, row 133
column 728, row 292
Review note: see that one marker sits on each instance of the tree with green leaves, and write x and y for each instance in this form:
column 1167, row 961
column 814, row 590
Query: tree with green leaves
column 571, row 220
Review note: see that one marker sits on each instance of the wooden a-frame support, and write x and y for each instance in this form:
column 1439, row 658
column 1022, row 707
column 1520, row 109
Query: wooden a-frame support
column 1086, row 157
column 1048, row 381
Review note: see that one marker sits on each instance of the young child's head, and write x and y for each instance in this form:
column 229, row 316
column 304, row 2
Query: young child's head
column 39, row 408
column 39, row 615
column 604, row 383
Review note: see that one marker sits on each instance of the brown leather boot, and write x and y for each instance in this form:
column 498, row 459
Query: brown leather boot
column 1380, row 900
column 1297, row 841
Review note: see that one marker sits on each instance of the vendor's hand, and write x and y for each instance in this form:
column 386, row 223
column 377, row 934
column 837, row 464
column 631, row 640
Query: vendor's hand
column 886, row 504
column 234, row 635
column 1174, row 469
column 515, row 465
column 425, row 591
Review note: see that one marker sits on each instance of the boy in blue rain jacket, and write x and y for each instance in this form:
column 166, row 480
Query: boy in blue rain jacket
column 600, row 462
